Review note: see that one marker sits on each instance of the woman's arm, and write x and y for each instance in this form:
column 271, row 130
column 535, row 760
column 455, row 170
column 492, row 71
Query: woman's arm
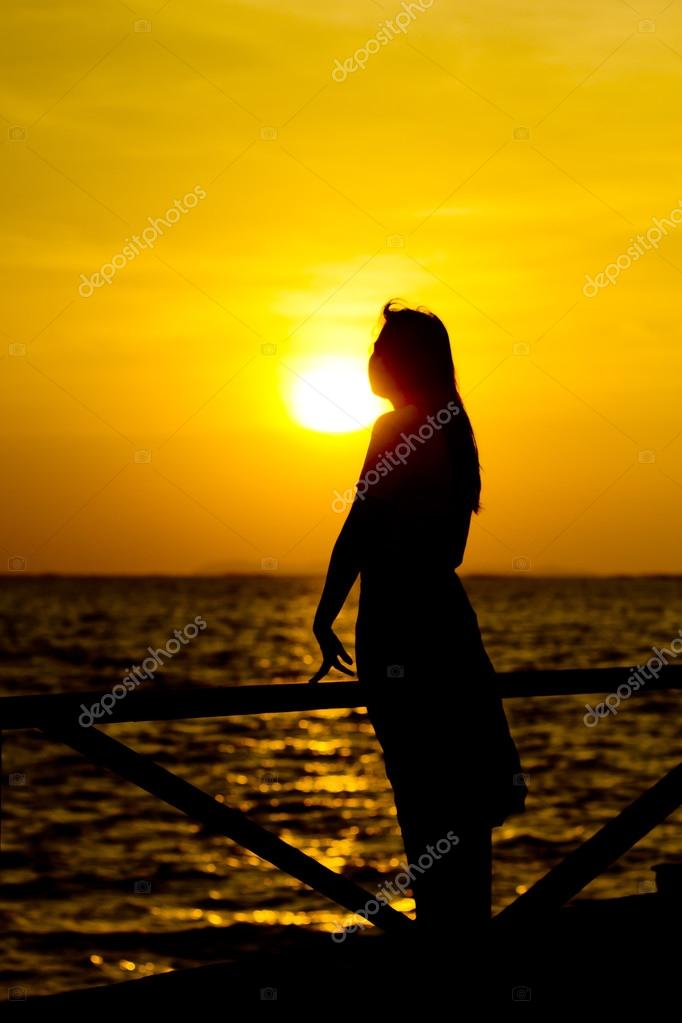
column 344, row 566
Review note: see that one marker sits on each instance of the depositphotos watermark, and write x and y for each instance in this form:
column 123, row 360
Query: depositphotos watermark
column 146, row 240
column 372, row 906
column 150, row 665
column 388, row 30
column 637, row 679
column 638, row 247
column 390, row 460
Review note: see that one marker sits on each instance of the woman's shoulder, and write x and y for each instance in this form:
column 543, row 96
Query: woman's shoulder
column 394, row 422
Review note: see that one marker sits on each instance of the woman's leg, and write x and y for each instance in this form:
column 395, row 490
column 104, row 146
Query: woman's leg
column 447, row 840
column 453, row 895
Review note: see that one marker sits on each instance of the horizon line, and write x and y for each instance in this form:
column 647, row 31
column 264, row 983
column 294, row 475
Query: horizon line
column 316, row 573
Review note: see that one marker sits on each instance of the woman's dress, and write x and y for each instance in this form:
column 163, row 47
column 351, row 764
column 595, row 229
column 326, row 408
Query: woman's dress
column 430, row 687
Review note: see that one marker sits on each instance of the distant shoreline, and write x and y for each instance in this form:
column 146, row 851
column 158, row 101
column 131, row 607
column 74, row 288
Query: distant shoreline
column 319, row 574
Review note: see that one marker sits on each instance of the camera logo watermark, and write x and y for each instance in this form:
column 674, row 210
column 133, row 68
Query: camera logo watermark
column 390, row 460
column 638, row 247
column 137, row 674
column 402, row 882
column 637, row 679
column 388, row 30
column 146, row 240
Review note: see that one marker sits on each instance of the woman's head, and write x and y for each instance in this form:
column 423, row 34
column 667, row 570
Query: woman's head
column 411, row 364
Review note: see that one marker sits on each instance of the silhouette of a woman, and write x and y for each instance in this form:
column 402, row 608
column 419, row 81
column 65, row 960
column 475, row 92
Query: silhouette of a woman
column 428, row 682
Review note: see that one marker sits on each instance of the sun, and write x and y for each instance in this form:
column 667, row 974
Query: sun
column 331, row 394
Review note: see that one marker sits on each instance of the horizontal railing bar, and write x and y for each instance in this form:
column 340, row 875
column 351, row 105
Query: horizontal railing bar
column 159, row 704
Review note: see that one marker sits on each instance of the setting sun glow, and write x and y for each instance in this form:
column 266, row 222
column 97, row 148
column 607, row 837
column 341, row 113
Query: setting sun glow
column 190, row 403
column 332, row 395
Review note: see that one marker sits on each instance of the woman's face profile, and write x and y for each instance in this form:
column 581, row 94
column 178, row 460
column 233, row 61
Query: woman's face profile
column 379, row 379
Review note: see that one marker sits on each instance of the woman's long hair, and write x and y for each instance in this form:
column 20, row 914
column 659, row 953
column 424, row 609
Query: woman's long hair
column 414, row 348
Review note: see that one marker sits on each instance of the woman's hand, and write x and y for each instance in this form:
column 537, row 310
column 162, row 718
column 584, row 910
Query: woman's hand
column 332, row 649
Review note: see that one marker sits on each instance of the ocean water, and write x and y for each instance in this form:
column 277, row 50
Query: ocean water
column 103, row 883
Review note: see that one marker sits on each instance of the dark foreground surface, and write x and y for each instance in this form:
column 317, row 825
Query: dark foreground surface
column 613, row 954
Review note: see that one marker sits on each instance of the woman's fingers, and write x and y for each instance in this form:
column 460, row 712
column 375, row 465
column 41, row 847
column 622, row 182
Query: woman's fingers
column 340, row 667
column 343, row 654
column 337, row 649
column 320, row 673
column 325, row 668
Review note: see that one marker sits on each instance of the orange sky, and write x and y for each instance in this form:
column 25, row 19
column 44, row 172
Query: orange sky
column 486, row 158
